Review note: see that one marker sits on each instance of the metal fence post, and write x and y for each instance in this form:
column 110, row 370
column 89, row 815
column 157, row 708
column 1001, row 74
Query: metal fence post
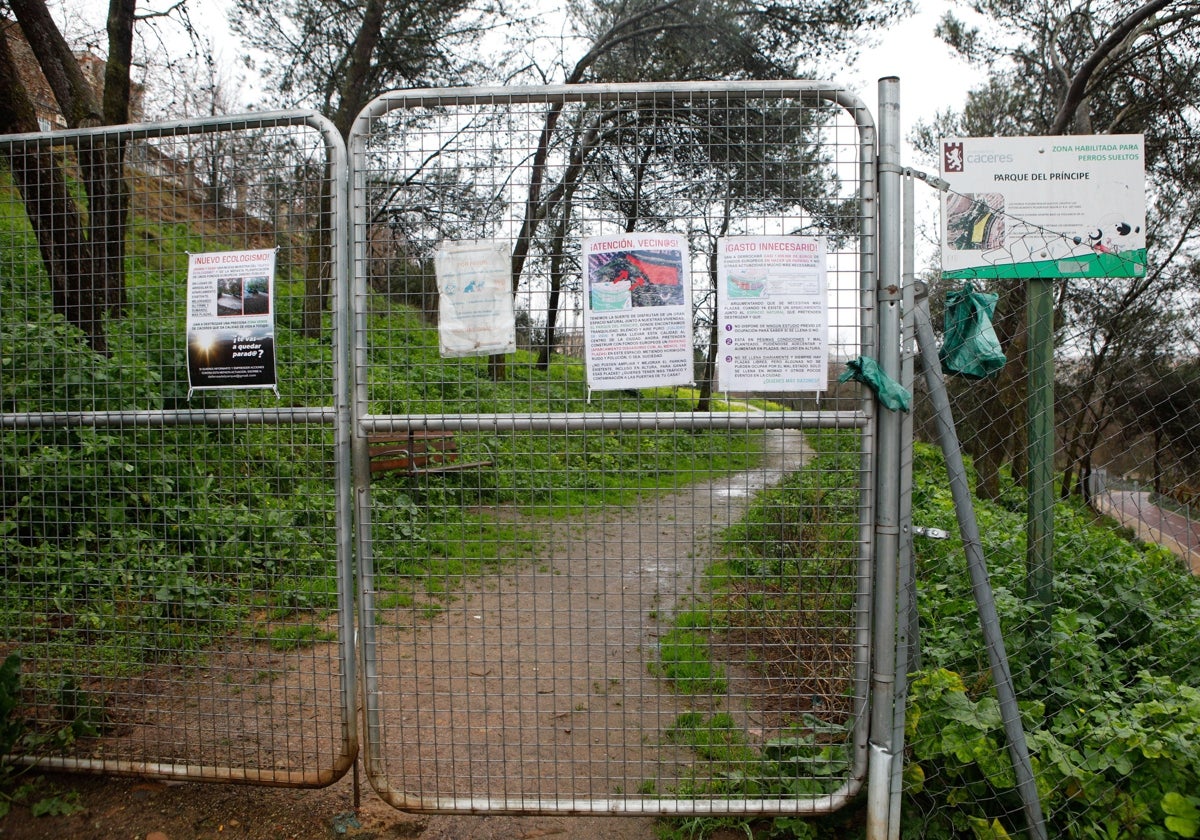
column 907, row 628
column 887, row 504
column 1040, row 524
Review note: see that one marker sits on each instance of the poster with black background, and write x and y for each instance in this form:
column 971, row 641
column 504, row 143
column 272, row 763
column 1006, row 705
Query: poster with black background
column 231, row 320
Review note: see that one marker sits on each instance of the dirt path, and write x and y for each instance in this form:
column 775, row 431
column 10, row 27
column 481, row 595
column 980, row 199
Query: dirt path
column 536, row 684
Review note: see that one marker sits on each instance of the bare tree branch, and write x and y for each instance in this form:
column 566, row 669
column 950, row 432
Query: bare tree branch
column 1076, row 92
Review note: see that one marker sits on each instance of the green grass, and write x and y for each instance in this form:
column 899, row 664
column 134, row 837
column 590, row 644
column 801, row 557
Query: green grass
column 715, row 738
column 684, row 659
column 547, row 473
column 139, row 541
column 296, row 636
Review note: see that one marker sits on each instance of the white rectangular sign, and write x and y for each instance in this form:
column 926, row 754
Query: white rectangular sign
column 475, row 301
column 773, row 326
column 637, row 307
column 1045, row 207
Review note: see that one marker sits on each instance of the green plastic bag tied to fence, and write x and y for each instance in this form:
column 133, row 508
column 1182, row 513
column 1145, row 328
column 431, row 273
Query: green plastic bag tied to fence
column 971, row 348
column 888, row 391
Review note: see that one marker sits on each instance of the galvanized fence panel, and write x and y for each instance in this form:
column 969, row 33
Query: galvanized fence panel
column 1102, row 629
column 643, row 600
column 176, row 565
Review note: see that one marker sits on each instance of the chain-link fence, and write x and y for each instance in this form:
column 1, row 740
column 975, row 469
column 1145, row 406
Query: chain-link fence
column 175, row 558
column 1094, row 589
column 584, row 593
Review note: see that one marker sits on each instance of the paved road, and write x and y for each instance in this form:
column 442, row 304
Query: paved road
column 1134, row 509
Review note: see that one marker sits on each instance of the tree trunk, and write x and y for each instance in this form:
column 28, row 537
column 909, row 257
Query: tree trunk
column 534, row 212
column 709, row 375
column 1000, row 415
column 556, row 282
column 352, row 96
column 316, row 275
column 52, row 213
column 354, row 89
column 110, row 200
column 95, row 285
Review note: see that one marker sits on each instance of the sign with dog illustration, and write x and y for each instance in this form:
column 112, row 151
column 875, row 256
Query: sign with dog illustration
column 1044, row 207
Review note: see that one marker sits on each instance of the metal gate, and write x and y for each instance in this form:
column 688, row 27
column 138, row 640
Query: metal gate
column 176, row 566
column 618, row 601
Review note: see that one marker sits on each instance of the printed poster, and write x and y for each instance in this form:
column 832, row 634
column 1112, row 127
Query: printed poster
column 773, row 322
column 1048, row 207
column 637, row 311
column 231, row 320
column 475, row 304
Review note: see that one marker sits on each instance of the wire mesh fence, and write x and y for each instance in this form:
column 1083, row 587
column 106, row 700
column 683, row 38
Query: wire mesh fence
column 589, row 579
column 1102, row 630
column 173, row 574
column 585, row 594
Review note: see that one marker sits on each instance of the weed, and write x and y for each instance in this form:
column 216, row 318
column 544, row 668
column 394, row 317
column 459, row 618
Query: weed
column 684, row 658
column 295, row 636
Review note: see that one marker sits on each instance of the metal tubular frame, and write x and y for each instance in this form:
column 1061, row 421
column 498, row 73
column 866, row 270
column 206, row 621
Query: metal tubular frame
column 366, row 422
column 351, row 421
column 335, row 416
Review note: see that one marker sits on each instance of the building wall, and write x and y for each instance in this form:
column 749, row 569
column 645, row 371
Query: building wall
column 44, row 104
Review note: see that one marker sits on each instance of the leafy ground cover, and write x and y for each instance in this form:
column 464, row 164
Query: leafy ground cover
column 1114, row 723
column 1113, row 726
